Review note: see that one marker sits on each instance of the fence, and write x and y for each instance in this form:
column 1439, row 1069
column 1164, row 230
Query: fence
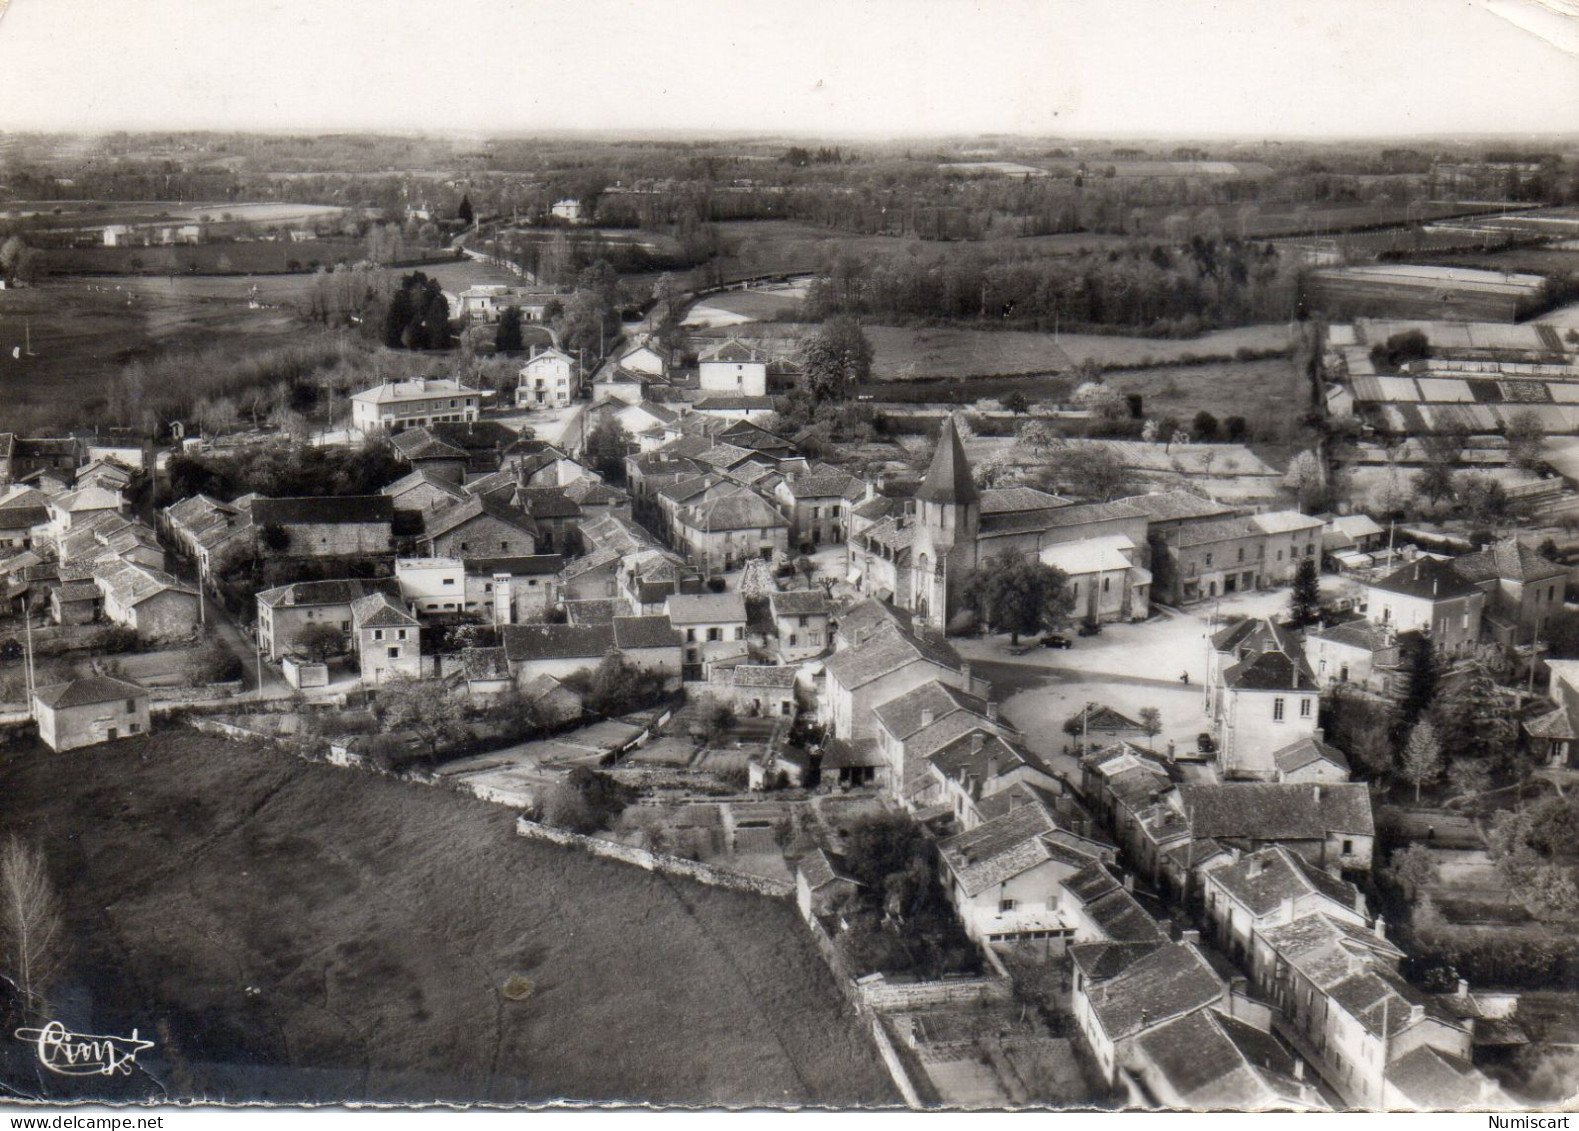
column 655, row 861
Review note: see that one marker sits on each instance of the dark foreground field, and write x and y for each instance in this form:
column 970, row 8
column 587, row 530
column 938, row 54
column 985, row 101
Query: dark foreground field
column 292, row 931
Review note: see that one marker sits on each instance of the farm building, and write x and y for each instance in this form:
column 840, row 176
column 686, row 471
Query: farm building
column 87, row 711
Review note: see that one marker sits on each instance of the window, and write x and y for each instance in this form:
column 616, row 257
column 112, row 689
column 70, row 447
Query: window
column 503, row 545
column 740, row 632
column 394, row 653
column 793, row 640
column 449, row 581
column 378, row 634
column 1005, row 906
column 1304, row 708
column 131, row 706
column 1241, row 553
column 715, row 634
column 1106, row 581
column 465, row 546
column 1277, row 710
column 401, row 634
column 804, row 621
column 1280, row 555
column 1348, row 848
column 814, row 639
column 1208, row 560
column 134, row 728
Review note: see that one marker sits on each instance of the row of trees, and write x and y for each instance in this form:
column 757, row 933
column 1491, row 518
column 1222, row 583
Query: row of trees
column 1205, row 283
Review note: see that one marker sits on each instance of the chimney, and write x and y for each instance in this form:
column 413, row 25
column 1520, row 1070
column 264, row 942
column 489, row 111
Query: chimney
column 1191, row 936
column 1315, row 794
column 977, row 741
column 1380, row 927
column 1253, row 868
column 1319, row 734
column 1463, row 987
column 992, row 712
column 1299, row 1068
column 1129, row 881
column 927, row 717
column 964, row 671
column 1166, row 925
column 1416, row 1013
column 992, row 767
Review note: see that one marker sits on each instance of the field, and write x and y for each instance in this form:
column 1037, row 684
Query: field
column 1270, row 394
column 903, row 353
column 263, row 257
column 98, row 213
column 83, row 329
column 1519, row 260
column 292, row 931
column 1267, row 220
column 771, row 247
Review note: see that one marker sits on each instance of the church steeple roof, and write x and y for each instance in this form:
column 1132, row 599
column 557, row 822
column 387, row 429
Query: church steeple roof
column 948, row 479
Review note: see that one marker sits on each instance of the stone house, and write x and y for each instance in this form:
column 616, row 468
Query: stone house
column 87, row 711
column 345, row 526
column 388, row 639
column 801, row 620
column 480, row 527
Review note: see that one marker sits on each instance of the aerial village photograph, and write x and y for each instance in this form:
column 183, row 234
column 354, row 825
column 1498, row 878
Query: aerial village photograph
column 887, row 556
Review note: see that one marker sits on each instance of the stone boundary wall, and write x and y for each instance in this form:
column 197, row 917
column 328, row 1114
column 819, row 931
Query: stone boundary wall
column 655, row 861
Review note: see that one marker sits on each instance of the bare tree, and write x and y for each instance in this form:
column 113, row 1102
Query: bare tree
column 32, row 930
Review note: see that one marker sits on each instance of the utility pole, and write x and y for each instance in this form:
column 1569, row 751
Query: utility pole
column 1535, row 655
column 258, row 647
column 32, row 680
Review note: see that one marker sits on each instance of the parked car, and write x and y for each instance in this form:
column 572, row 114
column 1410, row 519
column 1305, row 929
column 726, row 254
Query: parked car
column 1205, row 743
column 1053, row 640
column 1091, row 628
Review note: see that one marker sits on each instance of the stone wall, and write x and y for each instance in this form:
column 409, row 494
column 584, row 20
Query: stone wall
column 655, row 861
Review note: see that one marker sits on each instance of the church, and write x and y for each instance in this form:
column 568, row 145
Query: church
column 919, row 554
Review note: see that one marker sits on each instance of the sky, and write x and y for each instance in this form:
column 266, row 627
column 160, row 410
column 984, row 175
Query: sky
column 1204, row 68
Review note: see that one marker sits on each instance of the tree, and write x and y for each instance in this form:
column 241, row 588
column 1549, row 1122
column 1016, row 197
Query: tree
column 1436, row 482
column 1018, row 594
column 32, row 928
column 1016, row 403
column 1422, row 757
column 1305, row 603
column 1204, row 426
column 1412, row 868
column 507, row 335
column 607, row 447
column 1151, row 722
column 1420, row 668
column 1476, row 719
column 1525, row 439
column 214, row 662
column 428, row 710
column 836, row 358
column 1102, row 401
column 717, row 719
column 616, row 686
column 586, row 801
column 464, row 213
column 1483, row 500
column 1236, row 429
column 1468, row 776
column 1306, row 478
column 1090, row 470
column 1400, row 349
column 318, row 640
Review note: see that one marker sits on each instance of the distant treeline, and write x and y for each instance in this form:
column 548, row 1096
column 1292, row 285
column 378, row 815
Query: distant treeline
column 1201, row 285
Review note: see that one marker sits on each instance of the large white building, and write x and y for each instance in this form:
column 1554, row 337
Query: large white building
column 548, row 380
column 397, row 405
